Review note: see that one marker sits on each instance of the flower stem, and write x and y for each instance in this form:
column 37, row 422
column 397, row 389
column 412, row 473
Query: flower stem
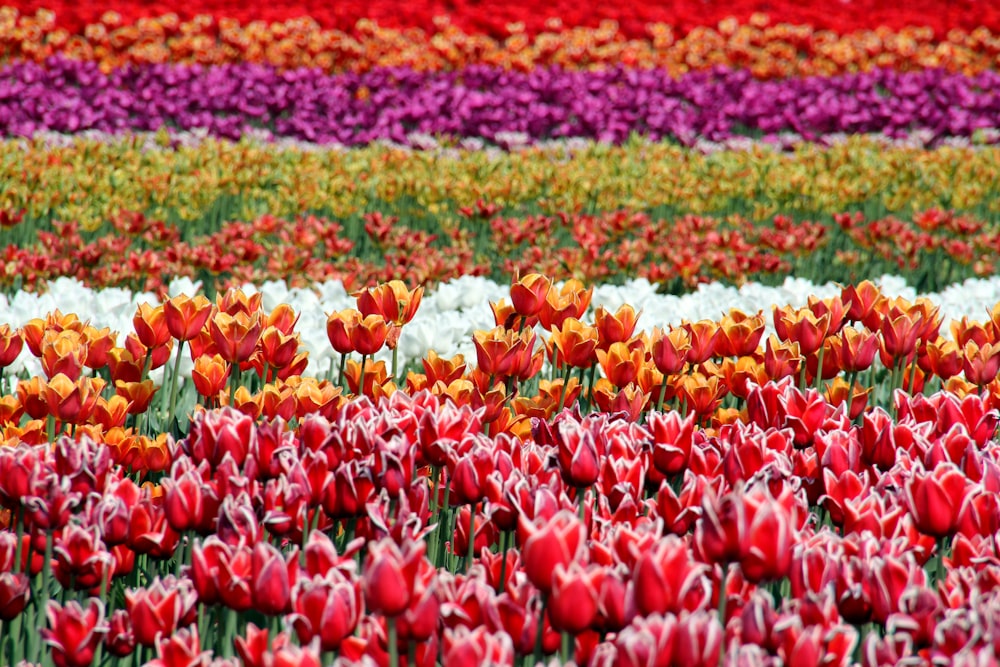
column 539, row 631
column 393, row 642
column 472, row 537
column 722, row 613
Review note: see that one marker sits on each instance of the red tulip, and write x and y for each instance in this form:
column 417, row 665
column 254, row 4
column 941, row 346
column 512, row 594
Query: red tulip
column 647, row 642
column 550, row 542
column 472, row 648
column 181, row 649
column 14, row 594
column 157, row 609
column 73, row 632
column 389, row 575
column 698, row 640
column 273, row 575
column 120, row 640
column 665, row 576
column 936, row 499
column 328, row 607
column 80, row 557
column 572, row 605
column 215, row 433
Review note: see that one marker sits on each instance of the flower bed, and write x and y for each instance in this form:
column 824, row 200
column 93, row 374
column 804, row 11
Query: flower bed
column 566, row 466
column 488, row 103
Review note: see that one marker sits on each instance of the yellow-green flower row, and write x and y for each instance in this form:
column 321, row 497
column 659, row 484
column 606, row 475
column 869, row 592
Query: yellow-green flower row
column 91, row 181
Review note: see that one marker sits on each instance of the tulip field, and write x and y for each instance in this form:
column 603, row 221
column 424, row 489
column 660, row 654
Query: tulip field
column 660, row 334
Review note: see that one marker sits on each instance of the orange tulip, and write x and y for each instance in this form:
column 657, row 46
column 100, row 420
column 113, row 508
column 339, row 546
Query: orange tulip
column 529, row 293
column 186, row 316
column 392, row 301
column 123, row 365
column 157, row 355
column 834, row 307
column 10, row 409
column 312, row 396
column 99, row 343
column 277, row 401
column 802, row 326
column 576, row 343
column 244, row 401
column 439, row 369
column 617, row 327
column 277, row 349
column 620, row 364
column 630, row 399
column 11, row 343
column 504, row 353
column 704, row 335
column 375, row 374
column 210, row 375
column 942, row 357
column 862, row 302
column 571, row 300
column 339, row 325
column 670, row 350
column 155, row 453
column 110, row 413
column 235, row 336
column 139, row 394
column 739, row 334
column 370, row 334
column 964, row 331
column 31, row 393
column 234, row 301
column 781, row 360
column 857, row 349
column 150, row 324
column 981, row 363
column 738, row 373
column 63, row 352
column 855, row 398
column 283, row 318
column 702, row 395
column 900, row 331
column 70, row 401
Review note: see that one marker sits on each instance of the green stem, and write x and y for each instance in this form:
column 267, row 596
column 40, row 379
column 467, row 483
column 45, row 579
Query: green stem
column 802, row 375
column 340, row 374
column 20, row 538
column 819, row 368
column 567, row 643
column 539, row 631
column 444, row 523
column 393, row 642
column 722, row 613
column 361, row 382
column 227, row 641
column 472, row 537
column 504, row 541
column 171, row 405
column 562, row 392
column 663, row 393
column 395, row 358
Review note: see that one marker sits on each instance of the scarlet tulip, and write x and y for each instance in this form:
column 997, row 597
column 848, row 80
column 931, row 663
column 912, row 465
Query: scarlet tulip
column 150, row 323
column 11, row 342
column 665, row 576
column 272, row 576
column 615, row 327
column 158, row 608
column 389, row 574
column 670, row 350
column 937, row 499
column 14, row 594
column 235, row 336
column 73, row 632
column 550, row 542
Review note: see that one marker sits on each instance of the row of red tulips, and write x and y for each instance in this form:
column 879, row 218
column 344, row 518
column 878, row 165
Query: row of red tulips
column 935, row 247
column 597, row 539
column 500, row 19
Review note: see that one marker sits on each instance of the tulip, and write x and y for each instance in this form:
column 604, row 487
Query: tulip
column 235, row 336
column 664, row 577
column 391, row 300
column 480, row 646
column 389, row 575
column 937, row 499
column 272, row 576
column 74, row 632
column 151, row 326
column 11, row 342
column 14, row 594
column 186, row 316
column 620, row 363
column 576, row 343
column 550, row 542
column 158, row 609
column 528, row 294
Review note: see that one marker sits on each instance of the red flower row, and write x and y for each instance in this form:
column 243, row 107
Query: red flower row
column 497, row 18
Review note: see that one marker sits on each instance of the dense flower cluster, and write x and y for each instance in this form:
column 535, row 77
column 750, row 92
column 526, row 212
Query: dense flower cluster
column 487, row 103
column 375, row 455
column 465, row 513
column 92, row 181
column 765, row 49
column 500, row 18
